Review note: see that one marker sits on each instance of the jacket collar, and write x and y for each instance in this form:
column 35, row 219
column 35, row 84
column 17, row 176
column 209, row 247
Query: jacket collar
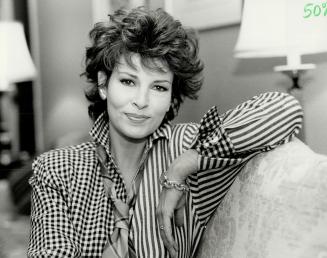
column 100, row 132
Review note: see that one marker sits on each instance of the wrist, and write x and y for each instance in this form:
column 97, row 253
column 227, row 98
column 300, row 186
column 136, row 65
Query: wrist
column 185, row 165
column 170, row 184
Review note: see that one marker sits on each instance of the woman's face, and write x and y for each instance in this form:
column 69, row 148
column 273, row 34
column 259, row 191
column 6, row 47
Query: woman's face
column 138, row 98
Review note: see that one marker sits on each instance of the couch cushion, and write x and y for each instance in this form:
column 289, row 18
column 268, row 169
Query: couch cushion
column 277, row 207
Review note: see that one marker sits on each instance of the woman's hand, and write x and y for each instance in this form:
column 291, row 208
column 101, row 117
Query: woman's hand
column 172, row 200
column 168, row 203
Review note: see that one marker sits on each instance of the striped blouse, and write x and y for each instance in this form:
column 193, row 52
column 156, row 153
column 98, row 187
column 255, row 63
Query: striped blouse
column 72, row 216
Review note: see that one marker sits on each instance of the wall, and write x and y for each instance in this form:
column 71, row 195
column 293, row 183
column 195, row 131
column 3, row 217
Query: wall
column 315, row 104
column 229, row 81
column 64, row 27
column 63, row 33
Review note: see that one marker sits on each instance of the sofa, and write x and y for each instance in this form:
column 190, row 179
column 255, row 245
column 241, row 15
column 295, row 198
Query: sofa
column 276, row 208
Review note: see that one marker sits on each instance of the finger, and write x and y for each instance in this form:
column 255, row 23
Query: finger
column 179, row 217
column 179, row 213
column 164, row 238
column 167, row 220
column 159, row 216
column 162, row 225
column 181, row 201
column 167, row 244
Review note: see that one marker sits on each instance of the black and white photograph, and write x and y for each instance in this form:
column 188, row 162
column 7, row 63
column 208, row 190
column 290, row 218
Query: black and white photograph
column 163, row 128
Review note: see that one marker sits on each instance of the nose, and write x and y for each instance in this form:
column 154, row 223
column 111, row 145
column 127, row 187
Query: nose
column 141, row 98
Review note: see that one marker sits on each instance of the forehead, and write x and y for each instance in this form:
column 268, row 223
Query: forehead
column 136, row 62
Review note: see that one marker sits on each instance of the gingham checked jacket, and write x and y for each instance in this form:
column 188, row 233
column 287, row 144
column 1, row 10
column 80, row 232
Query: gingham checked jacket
column 73, row 217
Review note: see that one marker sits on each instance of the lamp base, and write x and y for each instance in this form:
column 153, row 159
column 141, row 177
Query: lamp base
column 294, row 72
column 294, row 68
column 5, row 141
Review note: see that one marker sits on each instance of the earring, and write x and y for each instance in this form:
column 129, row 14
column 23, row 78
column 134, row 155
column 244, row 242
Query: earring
column 102, row 94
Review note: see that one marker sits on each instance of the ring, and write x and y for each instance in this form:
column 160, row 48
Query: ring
column 161, row 227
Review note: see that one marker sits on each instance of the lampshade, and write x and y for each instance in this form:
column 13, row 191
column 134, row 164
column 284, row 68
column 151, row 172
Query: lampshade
column 275, row 28
column 16, row 64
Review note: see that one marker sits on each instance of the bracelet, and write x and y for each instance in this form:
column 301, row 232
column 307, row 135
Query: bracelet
column 165, row 182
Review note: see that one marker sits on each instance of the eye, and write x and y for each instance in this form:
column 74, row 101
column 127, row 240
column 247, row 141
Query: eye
column 160, row 88
column 127, row 82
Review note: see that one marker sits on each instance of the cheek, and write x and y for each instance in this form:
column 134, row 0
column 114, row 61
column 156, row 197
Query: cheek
column 112, row 102
column 161, row 105
column 116, row 98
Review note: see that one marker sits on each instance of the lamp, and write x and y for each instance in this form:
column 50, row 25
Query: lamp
column 279, row 28
column 16, row 65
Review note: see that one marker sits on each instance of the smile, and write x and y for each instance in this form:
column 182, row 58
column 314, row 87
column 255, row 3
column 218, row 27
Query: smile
column 136, row 118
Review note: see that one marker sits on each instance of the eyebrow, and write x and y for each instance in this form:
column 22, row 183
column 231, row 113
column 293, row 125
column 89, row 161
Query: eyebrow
column 135, row 77
column 163, row 81
column 130, row 74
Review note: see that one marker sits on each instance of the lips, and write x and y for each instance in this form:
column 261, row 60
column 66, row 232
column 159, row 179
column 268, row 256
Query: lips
column 136, row 117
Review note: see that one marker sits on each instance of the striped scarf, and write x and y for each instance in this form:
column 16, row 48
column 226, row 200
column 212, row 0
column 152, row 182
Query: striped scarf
column 118, row 245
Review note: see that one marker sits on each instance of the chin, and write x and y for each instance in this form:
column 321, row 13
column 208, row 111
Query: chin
column 136, row 133
column 139, row 131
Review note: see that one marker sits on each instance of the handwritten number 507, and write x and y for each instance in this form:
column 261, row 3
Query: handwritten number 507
column 315, row 10
column 307, row 10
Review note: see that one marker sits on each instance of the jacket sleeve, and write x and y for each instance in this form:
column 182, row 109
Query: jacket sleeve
column 52, row 233
column 226, row 142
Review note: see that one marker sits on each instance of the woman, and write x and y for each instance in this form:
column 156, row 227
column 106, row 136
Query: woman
column 144, row 187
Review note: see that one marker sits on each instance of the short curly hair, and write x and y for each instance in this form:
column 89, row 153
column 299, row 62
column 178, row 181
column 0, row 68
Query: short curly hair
column 151, row 34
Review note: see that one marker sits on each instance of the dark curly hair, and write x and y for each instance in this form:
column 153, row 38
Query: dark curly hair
column 151, row 34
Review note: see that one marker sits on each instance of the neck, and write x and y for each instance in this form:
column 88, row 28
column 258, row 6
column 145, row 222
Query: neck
column 126, row 151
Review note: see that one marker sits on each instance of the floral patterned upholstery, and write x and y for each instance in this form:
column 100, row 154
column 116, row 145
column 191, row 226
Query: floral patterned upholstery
column 276, row 208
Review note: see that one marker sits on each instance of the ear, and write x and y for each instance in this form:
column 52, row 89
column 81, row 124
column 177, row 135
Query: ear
column 102, row 78
column 102, row 93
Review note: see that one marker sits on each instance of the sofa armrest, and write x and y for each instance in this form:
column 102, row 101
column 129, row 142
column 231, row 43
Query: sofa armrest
column 276, row 208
